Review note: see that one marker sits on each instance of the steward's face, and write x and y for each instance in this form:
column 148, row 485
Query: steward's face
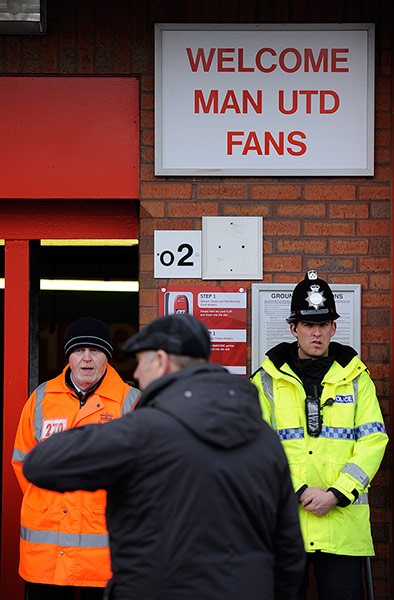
column 313, row 338
column 87, row 366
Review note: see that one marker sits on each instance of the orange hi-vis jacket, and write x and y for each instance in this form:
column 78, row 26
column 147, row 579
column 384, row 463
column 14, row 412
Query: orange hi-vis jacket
column 64, row 539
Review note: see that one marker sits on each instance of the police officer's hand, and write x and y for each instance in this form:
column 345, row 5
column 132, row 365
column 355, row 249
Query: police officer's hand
column 318, row 501
column 309, row 494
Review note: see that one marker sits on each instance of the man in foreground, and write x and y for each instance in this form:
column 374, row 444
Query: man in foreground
column 321, row 401
column 64, row 540
column 200, row 502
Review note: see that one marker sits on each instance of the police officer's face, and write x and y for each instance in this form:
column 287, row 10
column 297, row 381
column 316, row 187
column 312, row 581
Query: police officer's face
column 313, row 338
column 87, row 366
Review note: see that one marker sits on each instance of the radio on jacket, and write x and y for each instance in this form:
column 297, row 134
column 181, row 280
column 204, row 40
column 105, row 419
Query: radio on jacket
column 313, row 415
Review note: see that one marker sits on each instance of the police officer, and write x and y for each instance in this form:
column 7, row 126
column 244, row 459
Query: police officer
column 319, row 398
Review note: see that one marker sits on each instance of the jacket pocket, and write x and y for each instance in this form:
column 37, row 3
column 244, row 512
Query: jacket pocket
column 38, row 510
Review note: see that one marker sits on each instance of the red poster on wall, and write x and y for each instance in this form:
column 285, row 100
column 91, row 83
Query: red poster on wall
column 223, row 310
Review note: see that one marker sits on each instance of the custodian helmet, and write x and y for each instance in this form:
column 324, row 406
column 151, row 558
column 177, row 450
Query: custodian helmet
column 312, row 301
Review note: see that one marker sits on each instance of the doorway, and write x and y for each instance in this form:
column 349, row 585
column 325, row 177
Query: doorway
column 72, row 273
column 36, row 319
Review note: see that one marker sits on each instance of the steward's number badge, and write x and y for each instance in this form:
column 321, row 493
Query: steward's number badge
column 51, row 426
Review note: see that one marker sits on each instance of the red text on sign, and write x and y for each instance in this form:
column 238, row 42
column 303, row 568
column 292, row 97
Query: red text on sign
column 267, row 60
column 265, row 143
column 328, row 101
column 240, row 104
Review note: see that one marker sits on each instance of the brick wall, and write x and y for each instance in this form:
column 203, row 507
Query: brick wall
column 339, row 225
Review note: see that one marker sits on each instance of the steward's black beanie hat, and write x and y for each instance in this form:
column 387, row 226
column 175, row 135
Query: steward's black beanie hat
column 88, row 332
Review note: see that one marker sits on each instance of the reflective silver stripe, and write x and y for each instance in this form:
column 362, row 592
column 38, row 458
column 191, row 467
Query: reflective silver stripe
column 38, row 412
column 363, row 499
column 296, row 433
column 71, row 540
column 18, row 455
column 369, row 428
column 268, row 390
column 355, row 390
column 357, row 473
column 129, row 401
column 337, row 433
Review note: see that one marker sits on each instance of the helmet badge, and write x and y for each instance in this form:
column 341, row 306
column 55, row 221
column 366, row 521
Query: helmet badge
column 315, row 298
column 312, row 274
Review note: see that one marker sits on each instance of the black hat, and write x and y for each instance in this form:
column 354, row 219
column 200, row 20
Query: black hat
column 312, row 301
column 180, row 334
column 88, row 332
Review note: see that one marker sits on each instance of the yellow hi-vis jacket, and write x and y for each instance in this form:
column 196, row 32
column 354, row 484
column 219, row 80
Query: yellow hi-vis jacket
column 345, row 456
column 63, row 537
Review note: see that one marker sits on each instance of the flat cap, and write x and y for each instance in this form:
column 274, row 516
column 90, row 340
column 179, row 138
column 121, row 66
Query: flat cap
column 180, row 334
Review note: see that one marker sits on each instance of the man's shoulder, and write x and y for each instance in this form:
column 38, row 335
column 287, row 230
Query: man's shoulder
column 56, row 384
column 114, row 387
column 343, row 353
column 277, row 356
column 347, row 364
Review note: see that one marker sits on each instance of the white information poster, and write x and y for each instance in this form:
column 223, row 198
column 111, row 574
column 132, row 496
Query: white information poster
column 271, row 307
column 276, row 99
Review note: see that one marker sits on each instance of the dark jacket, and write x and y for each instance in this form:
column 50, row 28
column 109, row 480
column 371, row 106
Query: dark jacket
column 200, row 502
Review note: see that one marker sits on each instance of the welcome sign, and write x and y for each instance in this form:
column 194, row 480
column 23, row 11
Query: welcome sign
column 264, row 99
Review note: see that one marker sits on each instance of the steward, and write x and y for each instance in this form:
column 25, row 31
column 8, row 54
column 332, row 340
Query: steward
column 63, row 537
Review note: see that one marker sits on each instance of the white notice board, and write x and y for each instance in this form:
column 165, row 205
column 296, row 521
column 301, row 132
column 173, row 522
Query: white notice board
column 271, row 307
column 264, row 99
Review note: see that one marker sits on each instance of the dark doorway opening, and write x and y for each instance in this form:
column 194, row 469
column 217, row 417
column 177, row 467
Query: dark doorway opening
column 59, row 308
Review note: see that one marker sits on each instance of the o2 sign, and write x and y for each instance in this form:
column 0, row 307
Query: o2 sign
column 167, row 257
column 177, row 254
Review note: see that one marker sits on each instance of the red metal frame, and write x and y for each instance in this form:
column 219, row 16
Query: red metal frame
column 16, row 346
column 392, row 323
column 68, row 220
column 22, row 221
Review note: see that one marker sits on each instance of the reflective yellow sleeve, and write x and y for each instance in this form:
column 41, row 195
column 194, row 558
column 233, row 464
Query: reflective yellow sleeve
column 371, row 441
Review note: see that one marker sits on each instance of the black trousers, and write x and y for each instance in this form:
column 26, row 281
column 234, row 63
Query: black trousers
column 337, row 577
column 42, row 591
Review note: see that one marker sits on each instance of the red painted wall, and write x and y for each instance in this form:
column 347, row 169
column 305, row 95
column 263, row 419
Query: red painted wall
column 69, row 137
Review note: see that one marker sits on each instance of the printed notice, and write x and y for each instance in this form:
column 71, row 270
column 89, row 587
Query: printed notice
column 223, row 310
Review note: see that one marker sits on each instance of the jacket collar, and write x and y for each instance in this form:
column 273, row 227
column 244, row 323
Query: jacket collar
column 159, row 385
column 346, row 362
column 215, row 406
column 281, row 353
column 112, row 386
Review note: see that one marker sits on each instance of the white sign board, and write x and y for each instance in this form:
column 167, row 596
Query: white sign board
column 271, row 307
column 264, row 99
column 177, row 254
